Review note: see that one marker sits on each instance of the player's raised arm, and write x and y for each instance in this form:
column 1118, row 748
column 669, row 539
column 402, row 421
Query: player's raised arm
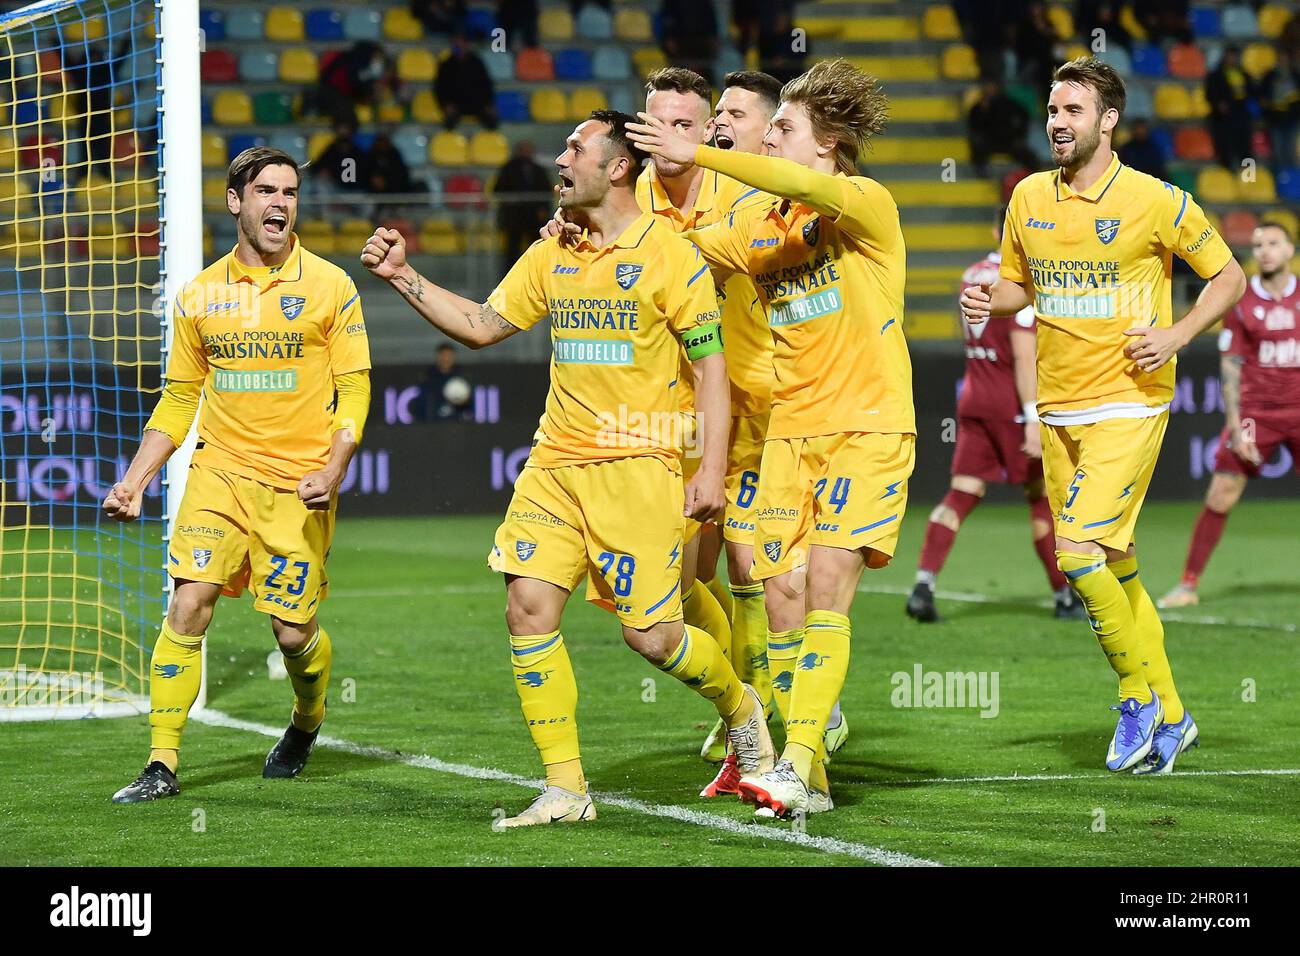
column 472, row 324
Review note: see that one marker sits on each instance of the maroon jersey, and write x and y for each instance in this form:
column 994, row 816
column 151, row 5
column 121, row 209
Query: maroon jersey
column 1262, row 330
column 989, row 388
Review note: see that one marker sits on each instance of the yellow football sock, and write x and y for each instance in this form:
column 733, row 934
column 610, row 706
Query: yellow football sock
column 309, row 672
column 782, row 650
column 749, row 639
column 176, row 672
column 718, row 588
column 1151, row 634
column 1111, row 618
column 702, row 610
column 818, row 679
column 548, row 696
column 817, row 778
column 698, row 662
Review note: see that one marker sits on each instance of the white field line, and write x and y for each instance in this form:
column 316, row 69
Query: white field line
column 1036, row 777
column 870, row 854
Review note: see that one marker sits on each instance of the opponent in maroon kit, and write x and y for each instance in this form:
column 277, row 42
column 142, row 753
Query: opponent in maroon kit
column 1259, row 366
column 997, row 440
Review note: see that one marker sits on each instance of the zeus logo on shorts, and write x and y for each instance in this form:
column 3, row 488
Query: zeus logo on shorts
column 201, row 557
column 525, row 550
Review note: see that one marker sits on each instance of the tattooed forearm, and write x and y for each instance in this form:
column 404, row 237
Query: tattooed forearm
column 412, row 288
column 492, row 318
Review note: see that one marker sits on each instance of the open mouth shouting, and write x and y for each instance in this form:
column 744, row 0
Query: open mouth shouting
column 276, row 225
column 566, row 185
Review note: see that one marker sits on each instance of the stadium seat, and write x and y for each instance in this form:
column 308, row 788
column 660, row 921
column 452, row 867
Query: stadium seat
column 232, row 108
column 632, row 26
column 364, row 139
column 555, row 24
column 213, row 25
column 1258, row 58
column 213, row 151
column 549, row 106
column 425, row 108
column 440, row 237
column 218, row 66
column 448, row 148
column 728, row 60
column 1283, row 217
column 959, row 63
column 1118, row 58
column 1173, row 102
column 1272, row 18
column 648, row 59
column 1062, row 22
column 622, row 98
column 258, row 66
column 1239, row 22
column 1260, row 189
column 298, row 65
column 572, row 64
column 1205, row 22
column 245, row 24
column 273, row 108
column 500, row 67
column 316, row 235
column 464, row 190
column 130, row 194
column 940, row 23
column 1193, row 143
column 1141, row 105
column 1200, row 105
column 205, row 110
column 1237, row 227
column 1186, row 62
column 1288, row 184
column 323, row 25
column 391, row 110
column 237, row 144
column 488, row 148
column 584, row 100
column 320, row 140
column 413, row 145
column 1149, row 60
column 1214, row 184
column 512, row 106
column 292, row 143
column 594, row 23
column 612, row 64
column 400, row 25
column 823, row 28
column 534, row 65
column 284, row 25
column 416, row 65
column 479, row 23
column 79, row 30
column 363, row 25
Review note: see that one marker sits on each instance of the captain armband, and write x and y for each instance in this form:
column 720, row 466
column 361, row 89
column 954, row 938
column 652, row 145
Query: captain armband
column 703, row 341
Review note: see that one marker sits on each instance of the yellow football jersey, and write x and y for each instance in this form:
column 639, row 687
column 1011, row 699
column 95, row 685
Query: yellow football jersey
column 832, row 291
column 1100, row 262
column 745, row 334
column 267, row 343
column 617, row 313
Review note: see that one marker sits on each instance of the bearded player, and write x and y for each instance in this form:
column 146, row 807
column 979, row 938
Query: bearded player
column 1090, row 245
column 273, row 338
column 1259, row 368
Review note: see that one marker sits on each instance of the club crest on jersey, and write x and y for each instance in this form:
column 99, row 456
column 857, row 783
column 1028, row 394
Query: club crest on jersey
column 811, row 229
column 626, row 274
column 525, row 549
column 1107, row 230
column 772, row 549
column 291, row 306
column 201, row 557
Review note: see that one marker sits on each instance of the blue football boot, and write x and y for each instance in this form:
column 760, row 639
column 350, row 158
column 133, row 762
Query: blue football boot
column 1134, row 732
column 1169, row 742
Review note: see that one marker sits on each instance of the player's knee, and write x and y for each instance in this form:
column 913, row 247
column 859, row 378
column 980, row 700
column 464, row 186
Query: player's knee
column 945, row 516
column 654, row 644
column 188, row 613
column 1224, row 493
column 741, row 576
column 291, row 637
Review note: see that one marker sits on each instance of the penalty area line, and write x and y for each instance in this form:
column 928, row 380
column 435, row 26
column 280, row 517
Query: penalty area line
column 1038, row 777
column 869, row 854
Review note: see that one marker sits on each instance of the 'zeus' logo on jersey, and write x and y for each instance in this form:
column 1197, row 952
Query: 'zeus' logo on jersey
column 565, row 271
column 1033, row 223
column 1107, row 230
column 626, row 274
column 763, row 243
column 291, row 306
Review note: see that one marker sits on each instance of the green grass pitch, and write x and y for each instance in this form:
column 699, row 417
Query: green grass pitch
column 421, row 668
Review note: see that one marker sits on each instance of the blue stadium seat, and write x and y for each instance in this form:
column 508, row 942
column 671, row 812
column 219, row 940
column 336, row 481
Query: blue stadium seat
column 1288, row 184
column 364, row 141
column 291, row 143
column 205, row 110
column 413, row 145
column 361, row 24
column 625, row 101
column 1140, row 104
column 611, row 63
column 258, row 66
column 1162, row 138
column 1239, row 22
column 29, row 111
column 213, row 25
column 1205, row 22
column 237, row 144
column 512, row 106
column 500, row 66
column 572, row 64
column 1118, row 57
column 245, row 25
column 479, row 23
column 730, row 60
column 1149, row 60
column 594, row 23
column 324, row 25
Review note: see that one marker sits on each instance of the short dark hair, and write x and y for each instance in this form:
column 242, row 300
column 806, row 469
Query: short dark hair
column 1100, row 75
column 680, row 80
column 617, row 138
column 767, row 86
column 1274, row 224
column 249, row 164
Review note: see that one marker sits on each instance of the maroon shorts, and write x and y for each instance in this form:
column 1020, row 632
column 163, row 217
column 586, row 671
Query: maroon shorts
column 989, row 449
column 1272, row 429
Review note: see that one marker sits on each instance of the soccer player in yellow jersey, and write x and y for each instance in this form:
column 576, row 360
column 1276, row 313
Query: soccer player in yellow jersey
column 1089, row 244
column 602, row 491
column 826, row 254
column 274, row 340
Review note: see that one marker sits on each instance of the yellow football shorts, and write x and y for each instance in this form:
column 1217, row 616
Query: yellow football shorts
column 620, row 520
column 1097, row 476
column 744, row 457
column 239, row 533
column 846, row 490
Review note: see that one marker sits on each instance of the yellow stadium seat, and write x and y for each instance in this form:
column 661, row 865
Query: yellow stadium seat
column 934, row 237
column 448, row 149
column 633, row 26
column 1173, row 102
column 425, row 108
column 1258, row 58
column 877, row 29
column 940, row 23
column 1261, row 190
column 352, row 234
column 555, row 23
column 822, row 28
column 1272, row 18
column 1075, row 50
column 1283, row 217
column 1200, row 105
column 896, row 68
column 959, row 63
column 1061, row 22
column 79, row 30
column 317, row 235
column 400, row 25
column 488, row 148
column 648, row 59
column 926, row 109
column 318, row 142
column 416, row 65
column 135, row 193
column 549, row 106
column 931, row 325
column 584, row 100
column 8, row 156
column 298, row 65
column 214, row 192
column 284, row 25
column 214, row 151
column 232, row 108
column 391, row 111
column 1216, row 184
column 440, row 237
column 1129, row 21
column 918, row 149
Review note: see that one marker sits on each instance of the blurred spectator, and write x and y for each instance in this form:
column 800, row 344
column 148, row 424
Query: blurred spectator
column 361, row 74
column 1033, row 39
column 1227, row 89
column 690, row 35
column 1090, row 15
column 386, row 171
column 1279, row 96
column 1289, row 40
column 988, row 28
column 1142, row 152
column 998, row 124
column 521, row 219
column 1164, row 20
column 443, row 382
column 464, row 88
column 342, row 166
column 777, row 53
column 440, row 16
column 519, row 19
